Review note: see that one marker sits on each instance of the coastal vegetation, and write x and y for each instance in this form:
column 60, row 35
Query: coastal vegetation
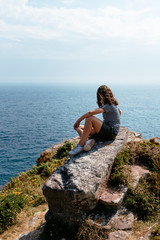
column 144, row 200
column 25, row 190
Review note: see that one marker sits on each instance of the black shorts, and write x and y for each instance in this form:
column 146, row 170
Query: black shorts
column 105, row 133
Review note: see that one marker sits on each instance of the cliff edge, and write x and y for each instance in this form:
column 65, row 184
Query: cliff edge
column 74, row 189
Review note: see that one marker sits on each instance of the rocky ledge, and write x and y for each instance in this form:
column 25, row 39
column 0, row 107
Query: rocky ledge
column 74, row 189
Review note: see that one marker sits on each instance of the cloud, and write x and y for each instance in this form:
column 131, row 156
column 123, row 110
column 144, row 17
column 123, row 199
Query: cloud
column 19, row 21
column 67, row 1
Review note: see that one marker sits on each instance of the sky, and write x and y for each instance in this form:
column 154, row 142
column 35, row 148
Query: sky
column 80, row 41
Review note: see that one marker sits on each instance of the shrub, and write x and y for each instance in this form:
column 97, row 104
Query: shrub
column 10, row 206
column 155, row 235
column 12, row 183
column 45, row 169
column 37, row 200
column 145, row 153
column 118, row 177
column 63, row 151
column 89, row 231
column 145, row 199
column 142, row 201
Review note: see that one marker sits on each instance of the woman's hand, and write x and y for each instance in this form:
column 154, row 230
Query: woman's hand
column 76, row 125
column 88, row 114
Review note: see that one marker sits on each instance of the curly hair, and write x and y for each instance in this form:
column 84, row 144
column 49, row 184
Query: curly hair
column 104, row 96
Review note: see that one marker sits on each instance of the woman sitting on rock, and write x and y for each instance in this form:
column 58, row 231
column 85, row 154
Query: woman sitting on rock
column 94, row 128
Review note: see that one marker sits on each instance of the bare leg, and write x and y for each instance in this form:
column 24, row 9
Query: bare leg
column 91, row 124
column 80, row 130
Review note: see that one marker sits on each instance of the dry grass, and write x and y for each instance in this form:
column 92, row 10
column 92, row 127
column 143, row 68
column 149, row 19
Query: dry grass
column 91, row 231
column 22, row 226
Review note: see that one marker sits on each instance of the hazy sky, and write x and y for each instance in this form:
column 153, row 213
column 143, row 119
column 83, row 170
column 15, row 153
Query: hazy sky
column 83, row 41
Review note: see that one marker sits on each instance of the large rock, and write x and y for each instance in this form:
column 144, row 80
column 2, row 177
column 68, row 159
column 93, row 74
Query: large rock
column 74, row 189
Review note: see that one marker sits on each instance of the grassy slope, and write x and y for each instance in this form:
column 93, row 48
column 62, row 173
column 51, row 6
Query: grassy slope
column 25, row 191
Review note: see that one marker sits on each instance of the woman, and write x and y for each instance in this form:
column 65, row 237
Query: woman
column 94, row 127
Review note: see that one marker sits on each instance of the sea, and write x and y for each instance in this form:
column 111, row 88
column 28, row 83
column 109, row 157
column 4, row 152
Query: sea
column 35, row 117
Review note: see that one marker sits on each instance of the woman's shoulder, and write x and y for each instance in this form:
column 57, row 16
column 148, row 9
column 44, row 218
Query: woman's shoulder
column 105, row 105
column 110, row 107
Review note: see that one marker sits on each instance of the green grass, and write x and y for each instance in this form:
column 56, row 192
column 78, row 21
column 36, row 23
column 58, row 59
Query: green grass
column 144, row 201
column 26, row 188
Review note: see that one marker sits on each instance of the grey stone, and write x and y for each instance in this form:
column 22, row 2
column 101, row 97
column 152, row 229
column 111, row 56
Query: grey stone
column 31, row 235
column 135, row 136
column 122, row 220
column 35, row 220
column 118, row 235
column 74, row 189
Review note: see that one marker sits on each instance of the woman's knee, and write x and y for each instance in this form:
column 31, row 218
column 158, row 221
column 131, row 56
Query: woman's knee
column 89, row 119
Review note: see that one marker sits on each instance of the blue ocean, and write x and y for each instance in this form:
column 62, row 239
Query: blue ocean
column 34, row 117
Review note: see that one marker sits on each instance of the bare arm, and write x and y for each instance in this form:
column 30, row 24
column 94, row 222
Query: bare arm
column 88, row 114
